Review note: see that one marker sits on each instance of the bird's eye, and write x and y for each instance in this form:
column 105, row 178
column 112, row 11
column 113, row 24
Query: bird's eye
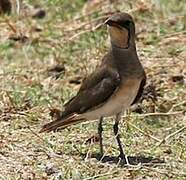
column 127, row 23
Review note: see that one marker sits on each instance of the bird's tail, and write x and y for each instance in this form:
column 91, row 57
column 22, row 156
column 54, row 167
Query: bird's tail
column 62, row 123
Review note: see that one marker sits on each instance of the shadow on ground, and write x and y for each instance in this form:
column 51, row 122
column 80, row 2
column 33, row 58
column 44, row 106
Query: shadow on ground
column 133, row 160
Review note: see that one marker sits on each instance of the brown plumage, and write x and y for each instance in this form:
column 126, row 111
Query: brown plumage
column 115, row 85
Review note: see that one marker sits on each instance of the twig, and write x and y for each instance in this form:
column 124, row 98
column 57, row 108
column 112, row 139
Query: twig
column 89, row 22
column 26, row 115
column 161, row 171
column 176, row 105
column 36, row 134
column 100, row 175
column 103, row 17
column 143, row 168
column 85, row 31
column 40, row 139
column 173, row 134
column 11, row 25
column 174, row 34
column 89, row 14
column 10, row 99
column 143, row 132
column 78, row 34
column 156, row 114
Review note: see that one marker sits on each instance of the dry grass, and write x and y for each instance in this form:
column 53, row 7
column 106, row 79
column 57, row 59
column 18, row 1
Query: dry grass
column 30, row 86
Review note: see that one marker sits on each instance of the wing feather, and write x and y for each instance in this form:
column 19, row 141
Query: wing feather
column 95, row 90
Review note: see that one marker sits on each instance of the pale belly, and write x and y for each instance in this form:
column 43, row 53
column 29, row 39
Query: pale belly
column 119, row 101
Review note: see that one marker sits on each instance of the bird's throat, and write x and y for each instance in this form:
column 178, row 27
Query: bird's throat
column 119, row 37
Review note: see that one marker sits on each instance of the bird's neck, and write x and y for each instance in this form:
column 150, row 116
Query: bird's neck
column 123, row 46
column 124, row 54
column 126, row 60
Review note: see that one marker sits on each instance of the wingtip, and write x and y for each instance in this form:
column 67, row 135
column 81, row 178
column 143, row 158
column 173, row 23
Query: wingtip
column 41, row 130
column 61, row 124
column 44, row 128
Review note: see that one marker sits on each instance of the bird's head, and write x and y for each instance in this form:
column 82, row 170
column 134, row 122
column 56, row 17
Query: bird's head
column 121, row 29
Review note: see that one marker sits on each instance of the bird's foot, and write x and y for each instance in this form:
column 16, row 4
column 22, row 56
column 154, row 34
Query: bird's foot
column 100, row 156
column 124, row 158
column 121, row 156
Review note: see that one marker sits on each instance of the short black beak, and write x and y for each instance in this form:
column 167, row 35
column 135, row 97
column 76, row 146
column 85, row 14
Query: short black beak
column 112, row 23
column 109, row 22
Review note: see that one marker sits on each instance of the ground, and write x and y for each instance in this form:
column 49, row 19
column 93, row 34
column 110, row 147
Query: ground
column 45, row 51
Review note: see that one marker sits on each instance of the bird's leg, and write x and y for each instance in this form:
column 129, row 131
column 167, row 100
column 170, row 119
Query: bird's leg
column 100, row 129
column 115, row 127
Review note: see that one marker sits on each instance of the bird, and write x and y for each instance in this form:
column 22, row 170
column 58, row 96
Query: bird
column 114, row 85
